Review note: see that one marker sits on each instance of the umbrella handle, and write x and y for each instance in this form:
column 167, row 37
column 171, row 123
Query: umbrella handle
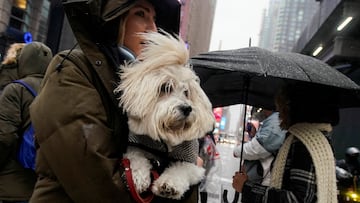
column 236, row 197
column 225, row 199
column 235, row 200
column 245, row 97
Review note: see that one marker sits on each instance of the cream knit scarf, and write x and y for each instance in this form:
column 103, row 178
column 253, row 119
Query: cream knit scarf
column 320, row 150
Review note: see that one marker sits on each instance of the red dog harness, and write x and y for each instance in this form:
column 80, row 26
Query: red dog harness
column 131, row 186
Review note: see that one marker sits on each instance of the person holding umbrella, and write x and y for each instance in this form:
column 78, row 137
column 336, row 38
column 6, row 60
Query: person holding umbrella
column 348, row 173
column 80, row 131
column 315, row 91
column 264, row 146
column 304, row 169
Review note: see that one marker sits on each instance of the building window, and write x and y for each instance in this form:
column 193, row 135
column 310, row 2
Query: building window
column 18, row 12
column 43, row 25
column 21, row 4
column 17, row 17
column 300, row 15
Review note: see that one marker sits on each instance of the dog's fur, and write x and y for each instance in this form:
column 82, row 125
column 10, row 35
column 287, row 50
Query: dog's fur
column 163, row 100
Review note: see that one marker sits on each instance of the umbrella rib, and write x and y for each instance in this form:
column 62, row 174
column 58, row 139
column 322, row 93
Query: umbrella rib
column 302, row 70
column 221, row 74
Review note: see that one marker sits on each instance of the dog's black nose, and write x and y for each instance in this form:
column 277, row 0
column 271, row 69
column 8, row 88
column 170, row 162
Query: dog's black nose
column 186, row 110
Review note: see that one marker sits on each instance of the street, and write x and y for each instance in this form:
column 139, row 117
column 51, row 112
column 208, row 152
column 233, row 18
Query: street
column 229, row 165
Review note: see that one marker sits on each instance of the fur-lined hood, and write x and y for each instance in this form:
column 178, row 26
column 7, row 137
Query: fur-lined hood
column 97, row 21
column 97, row 15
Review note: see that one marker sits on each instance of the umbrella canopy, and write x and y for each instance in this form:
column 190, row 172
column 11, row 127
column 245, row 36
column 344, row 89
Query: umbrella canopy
column 254, row 75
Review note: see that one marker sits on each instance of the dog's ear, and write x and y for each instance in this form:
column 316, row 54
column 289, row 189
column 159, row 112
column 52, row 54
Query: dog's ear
column 198, row 97
column 129, row 99
column 138, row 90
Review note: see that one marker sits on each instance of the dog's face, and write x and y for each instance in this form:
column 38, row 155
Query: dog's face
column 163, row 99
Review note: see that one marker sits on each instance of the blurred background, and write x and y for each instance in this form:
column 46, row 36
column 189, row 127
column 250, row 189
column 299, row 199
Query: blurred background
column 325, row 29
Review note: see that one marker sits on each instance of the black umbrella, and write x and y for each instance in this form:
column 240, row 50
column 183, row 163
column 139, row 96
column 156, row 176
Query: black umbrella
column 253, row 76
column 224, row 75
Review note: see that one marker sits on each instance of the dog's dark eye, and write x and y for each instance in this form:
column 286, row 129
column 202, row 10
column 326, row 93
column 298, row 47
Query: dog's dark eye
column 186, row 93
column 166, row 88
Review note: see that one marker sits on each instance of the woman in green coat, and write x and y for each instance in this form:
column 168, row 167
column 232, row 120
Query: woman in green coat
column 80, row 131
column 9, row 66
column 16, row 182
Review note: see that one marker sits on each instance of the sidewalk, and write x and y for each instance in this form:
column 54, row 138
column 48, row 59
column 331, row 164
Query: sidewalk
column 229, row 165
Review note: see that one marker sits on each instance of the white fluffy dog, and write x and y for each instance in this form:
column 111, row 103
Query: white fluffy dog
column 164, row 101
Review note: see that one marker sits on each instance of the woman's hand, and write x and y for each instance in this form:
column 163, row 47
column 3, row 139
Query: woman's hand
column 238, row 180
column 199, row 162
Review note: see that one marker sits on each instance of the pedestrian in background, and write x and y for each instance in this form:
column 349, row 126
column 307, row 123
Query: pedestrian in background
column 304, row 169
column 210, row 156
column 9, row 66
column 261, row 150
column 16, row 182
column 348, row 171
column 85, row 133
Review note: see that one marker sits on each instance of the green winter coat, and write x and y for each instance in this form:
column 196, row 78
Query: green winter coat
column 80, row 131
column 9, row 65
column 17, row 183
column 8, row 73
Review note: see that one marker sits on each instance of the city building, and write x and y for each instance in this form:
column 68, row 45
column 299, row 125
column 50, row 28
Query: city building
column 23, row 21
column 196, row 24
column 333, row 36
column 284, row 21
column 268, row 28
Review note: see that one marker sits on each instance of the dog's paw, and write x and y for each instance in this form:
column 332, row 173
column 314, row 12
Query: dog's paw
column 176, row 180
column 141, row 180
column 167, row 189
column 140, row 168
